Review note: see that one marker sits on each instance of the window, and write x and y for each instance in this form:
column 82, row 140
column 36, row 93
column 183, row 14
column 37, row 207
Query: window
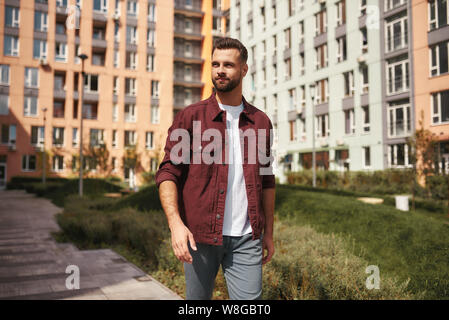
column 397, row 76
column 61, row 3
column 130, row 113
column 320, row 22
column 398, row 155
column 132, row 7
column 31, row 77
column 116, row 59
column 58, row 109
column 274, row 10
column 150, row 62
column 292, row 125
column 4, row 104
column 438, row 14
column 302, row 63
column 366, row 120
column 8, row 134
column 288, row 68
column 341, row 49
column 348, row 83
column 439, row 59
column 440, row 107
column 115, row 112
column 322, row 126
column 131, row 34
column 58, row 136
column 114, row 138
column 116, row 86
column 302, row 96
column 130, row 138
column 60, row 28
column 391, row 4
column 396, row 34
column 37, row 136
column 59, row 81
column 130, row 86
column 399, row 119
column 4, row 74
column 58, row 163
column 11, row 17
column 288, row 38
column 75, row 137
column 11, row 46
column 116, row 31
column 303, row 129
column 131, row 60
column 263, row 16
column 365, row 79
column 301, row 32
column 40, row 21
column 154, row 114
column 39, row 49
column 341, row 12
column 291, row 7
column 151, row 37
column 90, row 111
column 96, row 137
column 61, row 52
column 322, row 91
column 216, row 24
column 30, row 106
column 366, row 157
column 364, row 44
column 114, row 164
column 101, row 6
column 155, row 89
column 349, row 121
column 362, row 7
column 149, row 140
column 28, row 162
column 91, row 83
column 152, row 12
column 292, row 99
column 321, row 56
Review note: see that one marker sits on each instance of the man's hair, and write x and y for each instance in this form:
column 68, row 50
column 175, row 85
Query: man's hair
column 231, row 43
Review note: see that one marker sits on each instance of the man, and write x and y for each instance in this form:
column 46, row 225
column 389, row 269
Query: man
column 221, row 212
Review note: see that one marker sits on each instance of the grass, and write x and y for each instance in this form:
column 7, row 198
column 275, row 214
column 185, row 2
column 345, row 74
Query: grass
column 324, row 241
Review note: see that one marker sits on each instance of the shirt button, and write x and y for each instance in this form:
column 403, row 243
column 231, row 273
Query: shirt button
column 215, row 240
column 218, row 216
column 221, row 191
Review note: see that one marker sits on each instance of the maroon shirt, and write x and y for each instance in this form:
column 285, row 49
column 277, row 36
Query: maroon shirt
column 202, row 187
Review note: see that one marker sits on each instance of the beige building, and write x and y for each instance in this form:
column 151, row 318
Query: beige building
column 146, row 59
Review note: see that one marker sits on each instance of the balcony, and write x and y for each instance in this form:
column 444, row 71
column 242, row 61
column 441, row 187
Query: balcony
column 190, row 11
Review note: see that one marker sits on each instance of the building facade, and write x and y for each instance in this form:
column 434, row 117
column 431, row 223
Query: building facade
column 431, row 74
column 145, row 60
column 333, row 46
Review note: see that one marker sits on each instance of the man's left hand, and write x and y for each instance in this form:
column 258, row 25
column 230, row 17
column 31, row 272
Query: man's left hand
column 268, row 245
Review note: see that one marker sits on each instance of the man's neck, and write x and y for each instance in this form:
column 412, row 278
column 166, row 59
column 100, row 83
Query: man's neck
column 231, row 98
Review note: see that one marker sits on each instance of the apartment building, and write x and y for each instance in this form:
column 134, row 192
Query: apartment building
column 398, row 102
column 128, row 85
column 431, row 74
column 333, row 46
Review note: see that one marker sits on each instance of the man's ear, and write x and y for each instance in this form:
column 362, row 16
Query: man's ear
column 245, row 69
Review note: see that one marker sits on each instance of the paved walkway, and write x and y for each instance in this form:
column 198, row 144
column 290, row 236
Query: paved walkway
column 33, row 265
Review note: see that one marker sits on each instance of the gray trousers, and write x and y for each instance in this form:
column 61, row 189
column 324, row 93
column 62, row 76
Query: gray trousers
column 241, row 261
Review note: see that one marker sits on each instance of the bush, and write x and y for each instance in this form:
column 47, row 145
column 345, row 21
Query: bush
column 438, row 186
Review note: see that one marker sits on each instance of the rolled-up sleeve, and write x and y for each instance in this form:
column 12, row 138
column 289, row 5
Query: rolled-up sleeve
column 268, row 180
column 168, row 170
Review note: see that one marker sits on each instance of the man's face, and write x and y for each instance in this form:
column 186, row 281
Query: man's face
column 227, row 69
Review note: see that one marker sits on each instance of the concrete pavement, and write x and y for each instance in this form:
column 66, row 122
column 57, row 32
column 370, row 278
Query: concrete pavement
column 33, row 265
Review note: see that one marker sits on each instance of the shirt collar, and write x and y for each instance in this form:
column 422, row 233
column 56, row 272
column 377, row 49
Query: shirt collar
column 214, row 110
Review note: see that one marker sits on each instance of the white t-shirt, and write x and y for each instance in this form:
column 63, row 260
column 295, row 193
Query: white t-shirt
column 236, row 221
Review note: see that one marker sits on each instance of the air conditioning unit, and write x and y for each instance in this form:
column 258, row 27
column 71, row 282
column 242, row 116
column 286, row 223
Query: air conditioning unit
column 116, row 16
column 340, row 142
column 43, row 62
column 323, row 142
column 322, row 2
column 12, row 147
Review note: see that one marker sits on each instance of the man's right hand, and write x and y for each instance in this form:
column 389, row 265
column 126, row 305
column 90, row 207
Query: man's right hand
column 180, row 235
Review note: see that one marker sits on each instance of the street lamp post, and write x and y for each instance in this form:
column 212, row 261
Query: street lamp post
column 43, row 150
column 312, row 95
column 80, row 112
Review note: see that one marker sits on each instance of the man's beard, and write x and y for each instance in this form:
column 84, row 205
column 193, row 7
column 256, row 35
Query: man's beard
column 227, row 87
